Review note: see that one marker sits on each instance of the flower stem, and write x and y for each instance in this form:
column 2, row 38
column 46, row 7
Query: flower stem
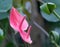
column 42, row 29
column 54, row 12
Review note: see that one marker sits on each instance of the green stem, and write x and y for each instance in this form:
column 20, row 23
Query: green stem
column 55, row 43
column 54, row 12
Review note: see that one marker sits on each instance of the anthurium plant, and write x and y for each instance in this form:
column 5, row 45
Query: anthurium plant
column 16, row 23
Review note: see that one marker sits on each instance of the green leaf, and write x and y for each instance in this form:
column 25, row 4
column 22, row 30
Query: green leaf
column 54, row 36
column 54, row 26
column 1, row 32
column 51, row 6
column 4, row 24
column 48, row 7
column 1, row 35
column 5, row 5
column 51, row 17
column 3, row 15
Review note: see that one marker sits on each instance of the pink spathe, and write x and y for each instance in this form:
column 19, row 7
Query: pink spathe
column 19, row 23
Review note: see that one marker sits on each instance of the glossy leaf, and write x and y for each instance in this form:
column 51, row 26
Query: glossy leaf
column 4, row 25
column 1, row 35
column 3, row 15
column 5, row 5
column 51, row 17
column 55, row 28
column 54, row 36
column 1, row 32
column 48, row 7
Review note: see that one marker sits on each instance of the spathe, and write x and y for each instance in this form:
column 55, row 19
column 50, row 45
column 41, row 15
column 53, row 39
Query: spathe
column 19, row 23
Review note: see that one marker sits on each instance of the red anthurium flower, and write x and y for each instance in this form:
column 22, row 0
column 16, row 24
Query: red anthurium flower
column 19, row 23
